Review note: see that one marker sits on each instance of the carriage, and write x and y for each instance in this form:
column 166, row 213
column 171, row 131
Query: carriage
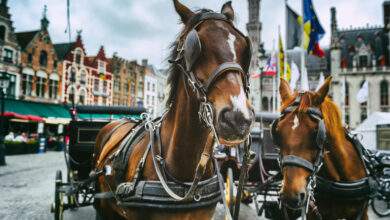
column 77, row 189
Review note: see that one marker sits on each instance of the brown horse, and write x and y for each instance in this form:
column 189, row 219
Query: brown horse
column 183, row 135
column 297, row 135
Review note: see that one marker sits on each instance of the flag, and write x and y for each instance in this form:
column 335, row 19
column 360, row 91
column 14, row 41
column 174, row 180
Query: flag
column 285, row 75
column 294, row 75
column 304, row 81
column 294, row 28
column 320, row 81
column 270, row 67
column 281, row 56
column 362, row 95
column 313, row 31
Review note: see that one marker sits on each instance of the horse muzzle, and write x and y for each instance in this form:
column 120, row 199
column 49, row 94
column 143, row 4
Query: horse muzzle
column 295, row 202
column 233, row 126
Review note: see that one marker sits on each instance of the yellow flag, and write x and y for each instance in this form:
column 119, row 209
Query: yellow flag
column 283, row 65
column 281, row 57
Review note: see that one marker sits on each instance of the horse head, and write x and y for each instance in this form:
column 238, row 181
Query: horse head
column 216, row 56
column 300, row 134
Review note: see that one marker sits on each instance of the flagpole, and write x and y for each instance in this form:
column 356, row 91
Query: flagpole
column 277, row 78
column 285, row 42
column 302, row 43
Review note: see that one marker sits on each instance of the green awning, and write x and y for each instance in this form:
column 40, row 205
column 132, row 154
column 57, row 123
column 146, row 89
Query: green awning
column 44, row 110
column 106, row 116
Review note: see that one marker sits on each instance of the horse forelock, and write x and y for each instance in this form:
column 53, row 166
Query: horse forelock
column 330, row 112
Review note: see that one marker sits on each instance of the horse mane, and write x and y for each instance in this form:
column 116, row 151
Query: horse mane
column 330, row 112
column 174, row 72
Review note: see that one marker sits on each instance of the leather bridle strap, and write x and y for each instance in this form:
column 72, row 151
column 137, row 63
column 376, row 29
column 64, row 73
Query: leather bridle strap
column 220, row 70
column 292, row 160
column 199, row 172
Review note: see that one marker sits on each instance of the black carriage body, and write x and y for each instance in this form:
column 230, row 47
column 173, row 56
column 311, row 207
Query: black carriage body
column 82, row 132
column 82, row 136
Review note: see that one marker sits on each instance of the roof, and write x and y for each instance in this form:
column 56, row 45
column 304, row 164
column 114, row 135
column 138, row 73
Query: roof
column 62, row 49
column 24, row 38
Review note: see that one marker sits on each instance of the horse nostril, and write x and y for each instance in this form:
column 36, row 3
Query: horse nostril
column 302, row 197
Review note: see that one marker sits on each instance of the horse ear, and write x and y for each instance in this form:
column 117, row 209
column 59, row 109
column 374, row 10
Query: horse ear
column 228, row 11
column 184, row 12
column 322, row 92
column 284, row 90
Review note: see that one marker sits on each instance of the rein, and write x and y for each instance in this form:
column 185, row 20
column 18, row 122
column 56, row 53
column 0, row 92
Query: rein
column 188, row 52
column 360, row 188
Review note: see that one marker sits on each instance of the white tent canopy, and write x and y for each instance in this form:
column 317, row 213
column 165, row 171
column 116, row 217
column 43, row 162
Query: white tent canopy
column 368, row 128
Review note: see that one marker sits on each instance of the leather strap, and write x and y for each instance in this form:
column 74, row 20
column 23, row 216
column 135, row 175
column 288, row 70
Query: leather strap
column 292, row 160
column 199, row 172
column 220, row 70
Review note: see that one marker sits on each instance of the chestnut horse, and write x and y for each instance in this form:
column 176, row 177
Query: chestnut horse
column 183, row 134
column 310, row 134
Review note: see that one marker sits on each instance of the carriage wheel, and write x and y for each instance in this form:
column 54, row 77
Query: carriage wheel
column 58, row 198
column 381, row 207
column 229, row 182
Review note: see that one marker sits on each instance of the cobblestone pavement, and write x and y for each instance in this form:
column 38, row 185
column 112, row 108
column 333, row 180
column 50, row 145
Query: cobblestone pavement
column 27, row 190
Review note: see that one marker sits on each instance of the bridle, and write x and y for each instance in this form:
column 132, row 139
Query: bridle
column 188, row 53
column 297, row 161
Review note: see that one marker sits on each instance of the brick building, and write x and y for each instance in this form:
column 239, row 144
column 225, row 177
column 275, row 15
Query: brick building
column 40, row 80
column 100, row 79
column 126, row 74
column 76, row 76
column 10, row 51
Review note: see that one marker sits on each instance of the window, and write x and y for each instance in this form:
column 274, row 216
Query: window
column 384, row 94
column 96, row 85
column 2, row 32
column 101, row 66
column 82, row 97
column 363, row 60
column 116, row 85
column 53, row 88
column 43, row 58
column 132, row 88
column 104, row 87
column 154, row 87
column 71, row 95
column 29, row 58
column 148, row 86
column 40, row 87
column 72, row 76
column 363, row 106
column 10, row 93
column 8, row 55
column 83, row 77
column 27, row 84
column 126, row 85
column 264, row 104
column 78, row 58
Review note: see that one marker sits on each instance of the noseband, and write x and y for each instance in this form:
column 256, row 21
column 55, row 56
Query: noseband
column 297, row 161
column 189, row 52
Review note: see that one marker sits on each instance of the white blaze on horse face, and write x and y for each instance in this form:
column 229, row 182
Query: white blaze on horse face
column 296, row 123
column 239, row 103
column 231, row 40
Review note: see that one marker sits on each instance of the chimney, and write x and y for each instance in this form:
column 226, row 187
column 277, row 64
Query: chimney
column 145, row 62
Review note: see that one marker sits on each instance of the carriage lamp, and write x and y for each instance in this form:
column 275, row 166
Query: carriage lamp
column 4, row 83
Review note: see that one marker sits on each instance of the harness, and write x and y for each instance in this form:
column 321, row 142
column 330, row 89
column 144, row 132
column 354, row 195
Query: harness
column 319, row 187
column 168, row 193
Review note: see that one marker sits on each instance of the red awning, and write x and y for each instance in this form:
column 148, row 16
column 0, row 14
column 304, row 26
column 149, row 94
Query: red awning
column 24, row 117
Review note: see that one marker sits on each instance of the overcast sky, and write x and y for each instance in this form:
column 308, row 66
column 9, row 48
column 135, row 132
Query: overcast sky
column 139, row 29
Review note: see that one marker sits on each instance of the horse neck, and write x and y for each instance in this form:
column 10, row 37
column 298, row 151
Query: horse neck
column 183, row 136
column 342, row 161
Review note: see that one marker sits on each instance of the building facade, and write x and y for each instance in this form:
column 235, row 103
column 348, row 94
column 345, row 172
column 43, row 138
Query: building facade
column 10, row 52
column 359, row 55
column 76, row 74
column 254, row 32
column 126, row 74
column 40, row 80
column 150, row 90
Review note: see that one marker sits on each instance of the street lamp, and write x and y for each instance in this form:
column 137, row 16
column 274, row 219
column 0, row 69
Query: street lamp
column 4, row 83
column 262, row 58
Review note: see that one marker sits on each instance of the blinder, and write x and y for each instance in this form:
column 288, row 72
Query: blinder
column 192, row 48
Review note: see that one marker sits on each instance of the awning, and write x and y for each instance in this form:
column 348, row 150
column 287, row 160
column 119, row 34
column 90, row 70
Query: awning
column 34, row 111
